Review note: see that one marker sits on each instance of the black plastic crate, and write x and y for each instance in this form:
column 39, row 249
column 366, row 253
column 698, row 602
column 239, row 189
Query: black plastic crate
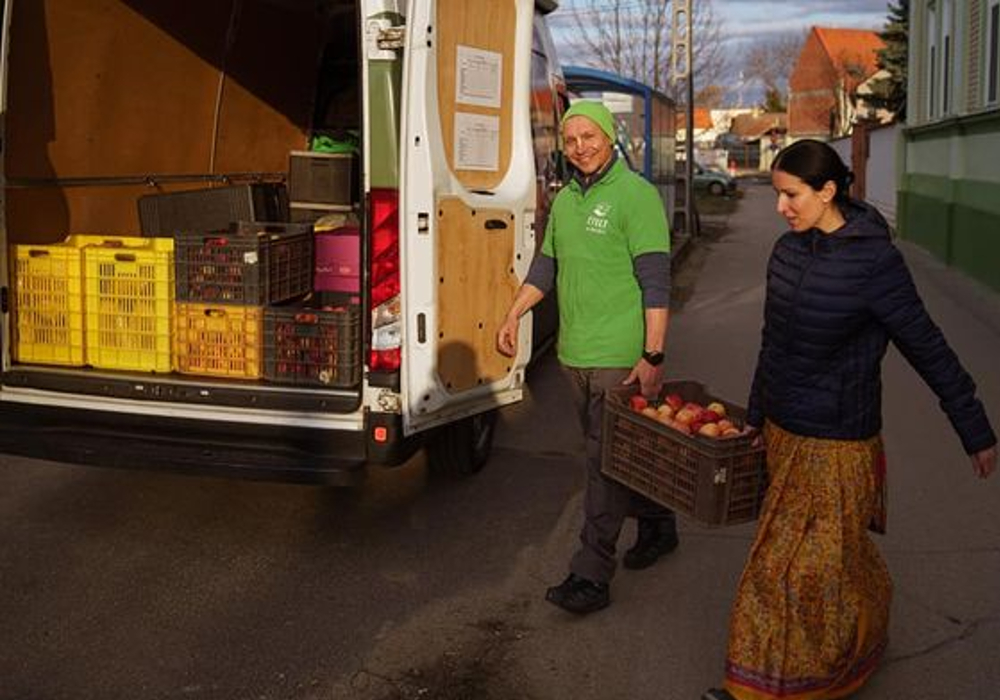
column 316, row 343
column 323, row 179
column 212, row 209
column 716, row 481
column 249, row 264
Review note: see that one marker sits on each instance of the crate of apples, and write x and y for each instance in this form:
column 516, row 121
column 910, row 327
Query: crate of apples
column 688, row 417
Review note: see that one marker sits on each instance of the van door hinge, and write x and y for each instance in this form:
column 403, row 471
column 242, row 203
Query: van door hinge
column 3, row 300
column 391, row 38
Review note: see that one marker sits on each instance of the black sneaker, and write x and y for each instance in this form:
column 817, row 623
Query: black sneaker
column 717, row 694
column 655, row 538
column 579, row 595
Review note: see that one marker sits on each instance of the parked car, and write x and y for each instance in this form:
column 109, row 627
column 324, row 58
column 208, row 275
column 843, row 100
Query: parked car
column 713, row 181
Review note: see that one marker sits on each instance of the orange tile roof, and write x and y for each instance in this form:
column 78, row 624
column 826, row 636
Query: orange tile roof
column 753, row 126
column 702, row 118
column 852, row 50
column 831, row 59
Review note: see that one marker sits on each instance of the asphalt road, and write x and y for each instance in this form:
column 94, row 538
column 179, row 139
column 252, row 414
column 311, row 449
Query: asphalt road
column 125, row 584
column 122, row 584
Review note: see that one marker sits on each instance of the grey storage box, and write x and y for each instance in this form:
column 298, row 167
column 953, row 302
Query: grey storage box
column 212, row 209
column 322, row 180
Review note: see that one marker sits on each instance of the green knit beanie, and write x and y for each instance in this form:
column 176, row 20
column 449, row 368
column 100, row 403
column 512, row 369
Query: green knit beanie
column 595, row 112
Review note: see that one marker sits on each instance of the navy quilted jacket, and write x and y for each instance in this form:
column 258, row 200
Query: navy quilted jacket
column 834, row 301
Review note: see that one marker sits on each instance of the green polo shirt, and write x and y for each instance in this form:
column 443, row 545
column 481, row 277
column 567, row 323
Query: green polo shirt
column 594, row 235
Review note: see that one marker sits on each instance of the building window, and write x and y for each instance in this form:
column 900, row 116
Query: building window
column 946, row 58
column 993, row 53
column 932, row 62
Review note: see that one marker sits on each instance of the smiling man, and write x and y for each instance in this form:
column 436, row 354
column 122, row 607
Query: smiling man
column 607, row 253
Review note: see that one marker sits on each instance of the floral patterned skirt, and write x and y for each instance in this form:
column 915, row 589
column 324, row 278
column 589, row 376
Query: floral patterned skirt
column 811, row 615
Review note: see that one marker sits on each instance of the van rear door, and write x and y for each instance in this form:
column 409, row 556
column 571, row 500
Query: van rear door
column 467, row 200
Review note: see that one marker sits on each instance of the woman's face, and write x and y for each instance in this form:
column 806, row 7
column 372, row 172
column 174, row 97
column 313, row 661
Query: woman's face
column 802, row 206
column 587, row 147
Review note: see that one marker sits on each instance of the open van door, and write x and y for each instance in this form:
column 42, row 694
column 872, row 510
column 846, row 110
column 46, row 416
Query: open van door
column 467, row 205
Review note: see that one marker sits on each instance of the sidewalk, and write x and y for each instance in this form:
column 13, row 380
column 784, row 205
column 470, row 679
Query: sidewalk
column 664, row 636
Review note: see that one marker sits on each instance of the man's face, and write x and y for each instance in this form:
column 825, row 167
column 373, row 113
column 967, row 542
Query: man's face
column 587, row 147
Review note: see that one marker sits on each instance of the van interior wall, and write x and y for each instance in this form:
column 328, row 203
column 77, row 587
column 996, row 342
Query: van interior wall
column 142, row 89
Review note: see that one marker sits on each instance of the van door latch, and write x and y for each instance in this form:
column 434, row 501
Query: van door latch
column 391, row 38
column 494, row 224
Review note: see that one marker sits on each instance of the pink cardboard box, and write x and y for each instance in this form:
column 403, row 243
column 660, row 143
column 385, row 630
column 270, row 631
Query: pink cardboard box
column 338, row 260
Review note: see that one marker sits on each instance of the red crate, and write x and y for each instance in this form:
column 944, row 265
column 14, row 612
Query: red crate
column 715, row 481
column 317, row 345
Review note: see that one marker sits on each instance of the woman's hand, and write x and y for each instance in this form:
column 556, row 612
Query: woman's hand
column 507, row 335
column 757, row 437
column 650, row 378
column 984, row 462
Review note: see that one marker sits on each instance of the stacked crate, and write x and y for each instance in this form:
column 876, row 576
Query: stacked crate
column 103, row 301
column 224, row 281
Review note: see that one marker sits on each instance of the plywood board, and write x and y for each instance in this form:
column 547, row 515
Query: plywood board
column 476, row 285
column 473, row 37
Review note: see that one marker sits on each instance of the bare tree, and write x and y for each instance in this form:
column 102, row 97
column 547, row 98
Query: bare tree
column 632, row 38
column 771, row 62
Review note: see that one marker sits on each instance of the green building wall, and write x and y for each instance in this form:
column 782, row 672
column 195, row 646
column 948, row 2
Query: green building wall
column 949, row 193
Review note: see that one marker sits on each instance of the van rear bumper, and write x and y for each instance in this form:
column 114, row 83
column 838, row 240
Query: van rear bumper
column 252, row 451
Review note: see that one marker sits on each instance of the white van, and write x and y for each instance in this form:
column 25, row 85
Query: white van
column 456, row 106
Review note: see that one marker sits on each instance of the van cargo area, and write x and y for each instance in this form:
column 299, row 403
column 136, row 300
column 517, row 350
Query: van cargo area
column 156, row 250
column 270, row 238
column 151, row 249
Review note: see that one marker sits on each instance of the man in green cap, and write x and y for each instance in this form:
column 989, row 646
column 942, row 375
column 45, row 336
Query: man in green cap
column 607, row 253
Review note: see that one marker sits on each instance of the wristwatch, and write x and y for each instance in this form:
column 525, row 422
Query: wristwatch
column 653, row 357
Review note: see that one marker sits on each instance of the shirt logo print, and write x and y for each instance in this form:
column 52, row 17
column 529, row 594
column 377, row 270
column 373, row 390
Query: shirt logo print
column 597, row 220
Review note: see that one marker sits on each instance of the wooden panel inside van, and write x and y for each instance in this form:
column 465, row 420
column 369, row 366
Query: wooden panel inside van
column 474, row 292
column 107, row 93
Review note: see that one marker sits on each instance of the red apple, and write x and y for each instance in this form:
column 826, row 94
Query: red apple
column 638, row 402
column 708, row 416
column 674, row 401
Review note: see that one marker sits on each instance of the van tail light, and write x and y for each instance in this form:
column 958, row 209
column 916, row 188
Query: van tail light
column 384, row 355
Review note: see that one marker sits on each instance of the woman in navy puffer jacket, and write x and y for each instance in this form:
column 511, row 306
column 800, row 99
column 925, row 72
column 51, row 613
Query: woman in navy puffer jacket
column 812, row 609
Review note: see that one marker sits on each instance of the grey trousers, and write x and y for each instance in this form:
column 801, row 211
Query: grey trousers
column 606, row 502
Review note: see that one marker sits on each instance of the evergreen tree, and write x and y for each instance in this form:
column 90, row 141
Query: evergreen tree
column 774, row 101
column 890, row 93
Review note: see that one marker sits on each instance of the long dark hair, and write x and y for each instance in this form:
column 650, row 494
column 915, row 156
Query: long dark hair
column 815, row 163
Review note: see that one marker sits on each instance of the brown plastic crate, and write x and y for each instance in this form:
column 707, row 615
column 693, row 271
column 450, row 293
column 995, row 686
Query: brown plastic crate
column 316, row 343
column 251, row 264
column 715, row 481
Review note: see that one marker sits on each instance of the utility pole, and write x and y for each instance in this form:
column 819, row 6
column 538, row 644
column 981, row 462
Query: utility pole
column 682, row 68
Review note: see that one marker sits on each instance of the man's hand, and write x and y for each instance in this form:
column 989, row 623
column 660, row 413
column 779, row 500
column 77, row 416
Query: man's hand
column 984, row 462
column 650, row 378
column 507, row 335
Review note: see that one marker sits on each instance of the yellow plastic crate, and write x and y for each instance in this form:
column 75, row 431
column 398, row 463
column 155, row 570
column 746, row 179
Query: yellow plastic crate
column 48, row 305
column 220, row 341
column 129, row 294
column 49, row 299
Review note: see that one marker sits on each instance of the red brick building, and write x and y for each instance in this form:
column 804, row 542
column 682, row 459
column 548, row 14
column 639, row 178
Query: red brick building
column 821, row 88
